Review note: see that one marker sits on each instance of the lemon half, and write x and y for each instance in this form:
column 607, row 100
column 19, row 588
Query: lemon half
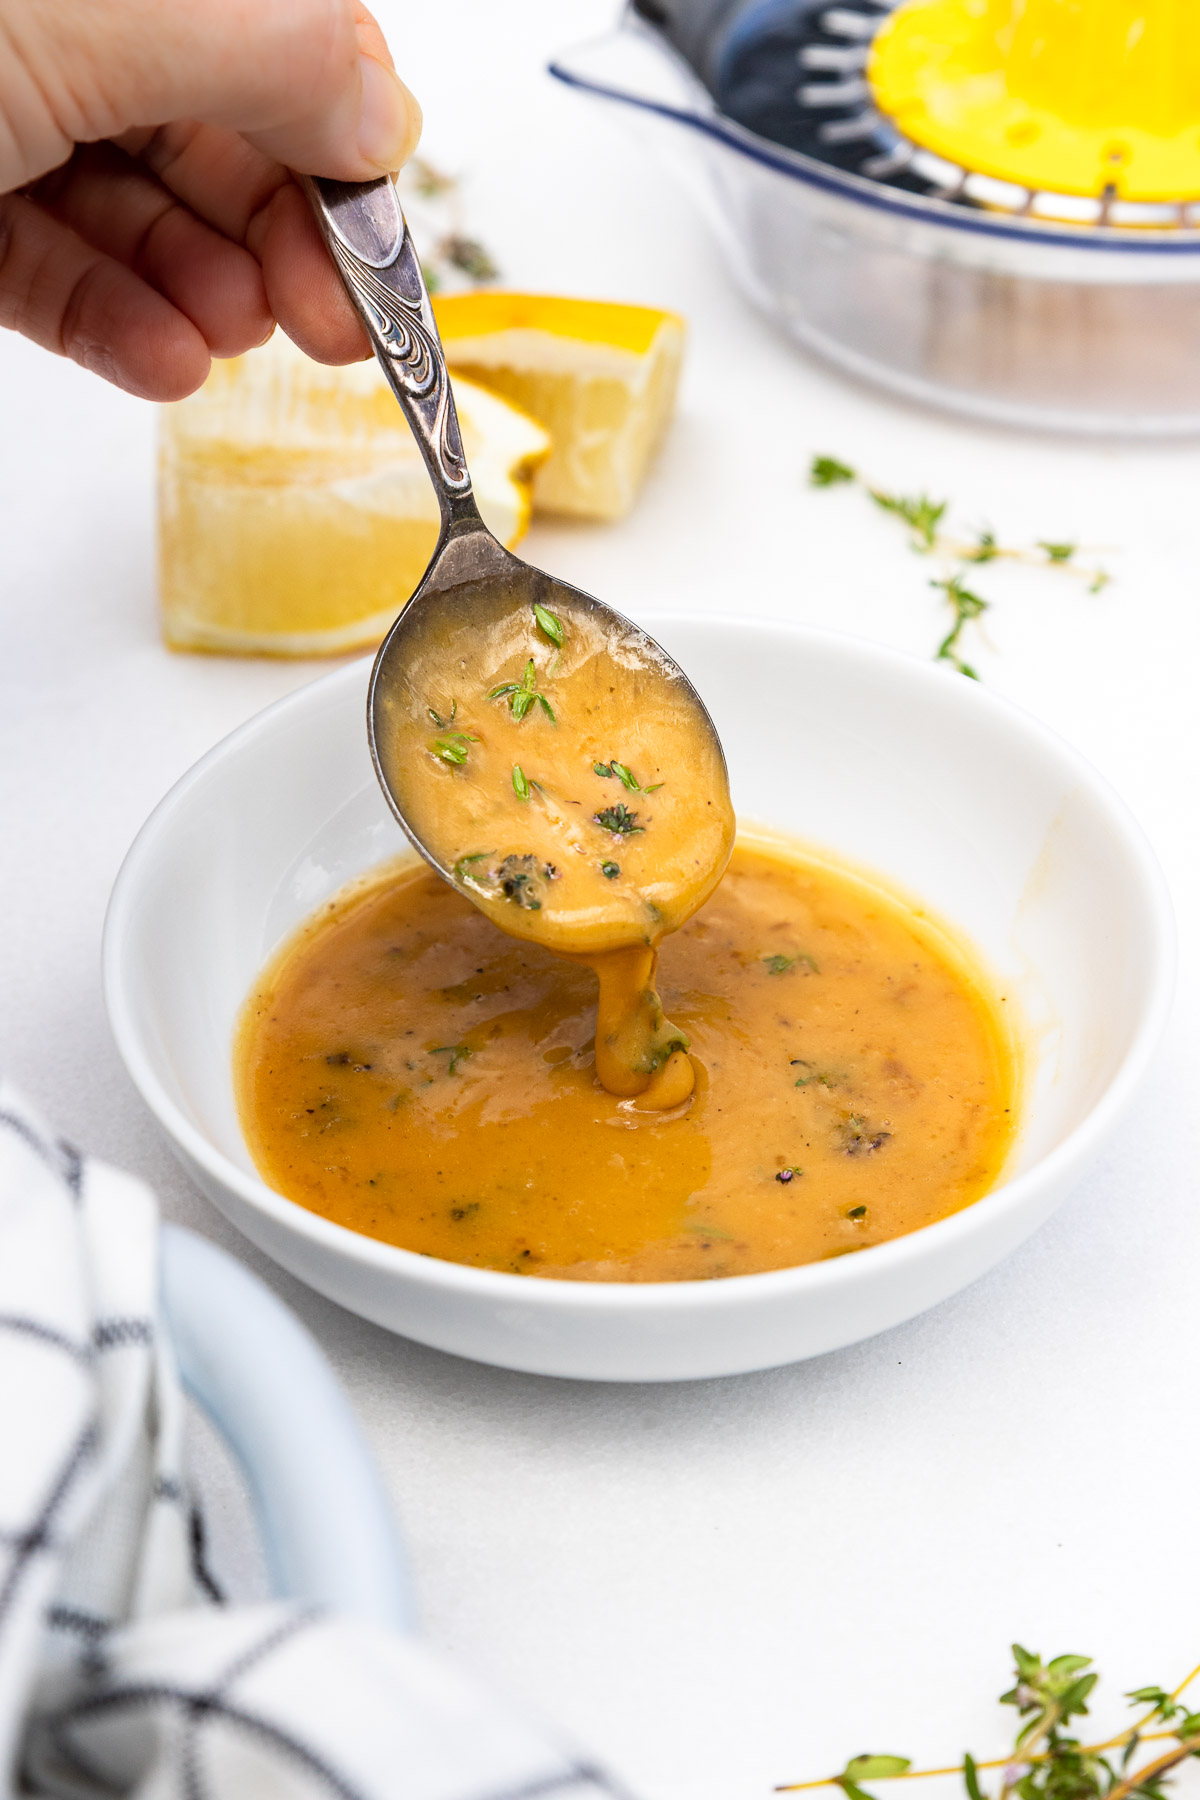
column 295, row 514
column 600, row 376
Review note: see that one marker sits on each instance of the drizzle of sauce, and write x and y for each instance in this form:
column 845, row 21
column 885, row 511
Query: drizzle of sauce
column 573, row 787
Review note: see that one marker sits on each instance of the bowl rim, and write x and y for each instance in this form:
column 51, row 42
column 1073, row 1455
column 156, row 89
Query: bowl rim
column 549, row 1294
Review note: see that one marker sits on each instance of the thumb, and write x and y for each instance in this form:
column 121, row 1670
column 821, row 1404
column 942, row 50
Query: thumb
column 309, row 82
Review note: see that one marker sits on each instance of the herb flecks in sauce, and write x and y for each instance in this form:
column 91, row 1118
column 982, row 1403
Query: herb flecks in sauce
column 779, row 964
column 453, row 747
column 619, row 820
column 550, row 626
column 601, row 671
column 592, row 1183
column 522, row 695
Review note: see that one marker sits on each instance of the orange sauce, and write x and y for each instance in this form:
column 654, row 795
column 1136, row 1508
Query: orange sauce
column 565, row 778
column 407, row 1069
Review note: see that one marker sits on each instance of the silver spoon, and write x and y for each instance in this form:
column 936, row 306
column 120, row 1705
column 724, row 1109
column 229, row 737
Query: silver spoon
column 472, row 582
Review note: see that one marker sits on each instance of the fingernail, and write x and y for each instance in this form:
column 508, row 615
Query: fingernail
column 389, row 119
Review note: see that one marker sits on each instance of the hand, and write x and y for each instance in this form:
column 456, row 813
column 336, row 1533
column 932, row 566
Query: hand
column 148, row 220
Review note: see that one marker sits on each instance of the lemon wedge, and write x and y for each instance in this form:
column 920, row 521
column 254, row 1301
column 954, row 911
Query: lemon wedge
column 295, row 514
column 601, row 377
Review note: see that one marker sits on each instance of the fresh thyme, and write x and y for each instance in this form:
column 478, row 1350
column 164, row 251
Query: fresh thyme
column 463, row 867
column 827, row 471
column 624, row 774
column 520, row 782
column 523, row 694
column 921, row 514
column 449, row 252
column 784, row 1176
column 1046, row 1761
column 456, row 1052
column 452, row 746
column 821, row 1076
column 551, row 624
column 778, row 964
column 967, row 606
column 610, row 870
column 925, row 517
column 619, row 820
column 448, row 720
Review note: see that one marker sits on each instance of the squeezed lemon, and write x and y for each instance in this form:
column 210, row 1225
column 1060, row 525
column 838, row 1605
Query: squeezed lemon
column 295, row 514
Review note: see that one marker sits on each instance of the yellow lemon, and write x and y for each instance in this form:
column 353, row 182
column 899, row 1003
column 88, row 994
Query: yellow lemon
column 295, row 514
column 601, row 377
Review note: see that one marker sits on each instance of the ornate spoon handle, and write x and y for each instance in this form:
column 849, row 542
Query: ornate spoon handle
column 370, row 242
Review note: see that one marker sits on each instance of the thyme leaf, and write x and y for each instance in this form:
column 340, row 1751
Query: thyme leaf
column 919, row 512
column 625, row 776
column 601, row 769
column 549, row 623
column 462, row 868
column 610, row 869
column 452, row 747
column 438, row 719
column 827, row 471
column 1057, row 553
column 779, row 964
column 520, row 782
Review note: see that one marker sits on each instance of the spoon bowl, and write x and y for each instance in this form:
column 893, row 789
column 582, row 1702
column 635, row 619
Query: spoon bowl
column 474, row 589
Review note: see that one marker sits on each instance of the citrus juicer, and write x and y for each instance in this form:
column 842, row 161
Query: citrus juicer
column 991, row 205
column 1092, row 99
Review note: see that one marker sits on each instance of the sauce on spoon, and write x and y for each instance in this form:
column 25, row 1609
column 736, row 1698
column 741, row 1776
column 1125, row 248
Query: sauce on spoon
column 575, row 788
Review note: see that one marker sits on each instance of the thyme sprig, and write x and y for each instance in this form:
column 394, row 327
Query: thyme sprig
column 619, row 820
column 1046, row 1761
column 522, row 695
column 967, row 606
column 924, row 517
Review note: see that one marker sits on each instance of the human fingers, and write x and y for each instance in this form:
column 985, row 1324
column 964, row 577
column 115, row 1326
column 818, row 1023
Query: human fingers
column 308, row 81
column 304, row 290
column 116, row 206
column 70, row 297
column 240, row 191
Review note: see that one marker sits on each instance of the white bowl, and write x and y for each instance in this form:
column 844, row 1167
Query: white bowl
column 952, row 793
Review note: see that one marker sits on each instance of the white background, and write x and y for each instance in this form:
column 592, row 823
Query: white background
column 724, row 1585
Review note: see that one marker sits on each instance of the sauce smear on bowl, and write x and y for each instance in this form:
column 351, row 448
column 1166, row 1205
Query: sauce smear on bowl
column 410, row 1071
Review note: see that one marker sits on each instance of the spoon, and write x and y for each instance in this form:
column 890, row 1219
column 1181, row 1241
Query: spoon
column 473, row 584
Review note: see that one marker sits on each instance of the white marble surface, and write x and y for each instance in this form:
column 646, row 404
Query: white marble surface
column 724, row 1585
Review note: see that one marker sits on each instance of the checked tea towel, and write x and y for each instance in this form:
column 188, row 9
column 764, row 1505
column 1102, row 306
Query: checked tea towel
column 118, row 1674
